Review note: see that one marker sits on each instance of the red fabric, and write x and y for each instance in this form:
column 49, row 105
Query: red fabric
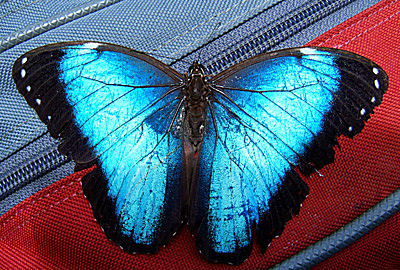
column 55, row 228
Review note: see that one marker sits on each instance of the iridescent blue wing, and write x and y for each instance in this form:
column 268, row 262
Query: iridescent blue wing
column 268, row 115
column 113, row 107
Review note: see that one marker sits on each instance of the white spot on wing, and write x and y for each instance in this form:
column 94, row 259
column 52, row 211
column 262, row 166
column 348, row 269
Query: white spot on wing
column 362, row 112
column 373, row 99
column 376, row 84
column 38, row 101
column 307, row 51
column 23, row 61
column 375, row 70
column 23, row 73
column 350, row 128
column 28, row 88
column 91, row 45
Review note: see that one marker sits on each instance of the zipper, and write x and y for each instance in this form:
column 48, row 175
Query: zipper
column 260, row 41
column 273, row 34
column 31, row 172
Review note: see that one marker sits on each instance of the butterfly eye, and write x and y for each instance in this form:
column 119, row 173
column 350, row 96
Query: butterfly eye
column 191, row 69
column 196, row 68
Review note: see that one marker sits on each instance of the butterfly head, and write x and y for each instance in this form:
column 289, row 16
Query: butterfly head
column 196, row 70
column 196, row 82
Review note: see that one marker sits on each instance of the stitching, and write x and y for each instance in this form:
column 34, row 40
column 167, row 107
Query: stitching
column 62, row 18
column 367, row 30
column 39, row 213
column 19, row 9
column 209, row 20
column 199, row 24
column 360, row 21
column 38, row 199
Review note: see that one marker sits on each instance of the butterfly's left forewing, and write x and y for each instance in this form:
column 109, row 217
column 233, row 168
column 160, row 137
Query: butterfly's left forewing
column 115, row 108
column 268, row 115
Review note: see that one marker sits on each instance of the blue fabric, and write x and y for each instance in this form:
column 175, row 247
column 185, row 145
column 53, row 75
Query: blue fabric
column 15, row 15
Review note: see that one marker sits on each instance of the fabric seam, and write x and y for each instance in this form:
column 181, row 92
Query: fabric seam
column 39, row 213
column 37, row 200
column 51, row 23
column 360, row 21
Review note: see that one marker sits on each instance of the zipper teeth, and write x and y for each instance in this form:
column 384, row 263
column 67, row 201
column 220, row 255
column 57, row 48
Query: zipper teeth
column 31, row 172
column 275, row 33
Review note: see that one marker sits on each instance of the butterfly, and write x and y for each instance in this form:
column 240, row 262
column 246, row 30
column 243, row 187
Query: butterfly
column 222, row 152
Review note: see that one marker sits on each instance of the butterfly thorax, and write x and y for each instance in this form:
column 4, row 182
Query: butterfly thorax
column 196, row 92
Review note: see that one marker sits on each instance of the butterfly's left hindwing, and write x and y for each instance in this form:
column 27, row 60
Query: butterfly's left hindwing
column 111, row 106
column 272, row 113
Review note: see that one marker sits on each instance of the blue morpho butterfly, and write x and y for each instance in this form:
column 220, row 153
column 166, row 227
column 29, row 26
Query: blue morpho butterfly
column 218, row 151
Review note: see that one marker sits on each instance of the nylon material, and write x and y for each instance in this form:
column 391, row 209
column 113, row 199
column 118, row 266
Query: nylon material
column 324, row 24
column 30, row 188
column 134, row 155
column 341, row 240
column 270, row 35
column 15, row 15
column 26, row 154
column 184, row 33
column 19, row 124
column 264, row 33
